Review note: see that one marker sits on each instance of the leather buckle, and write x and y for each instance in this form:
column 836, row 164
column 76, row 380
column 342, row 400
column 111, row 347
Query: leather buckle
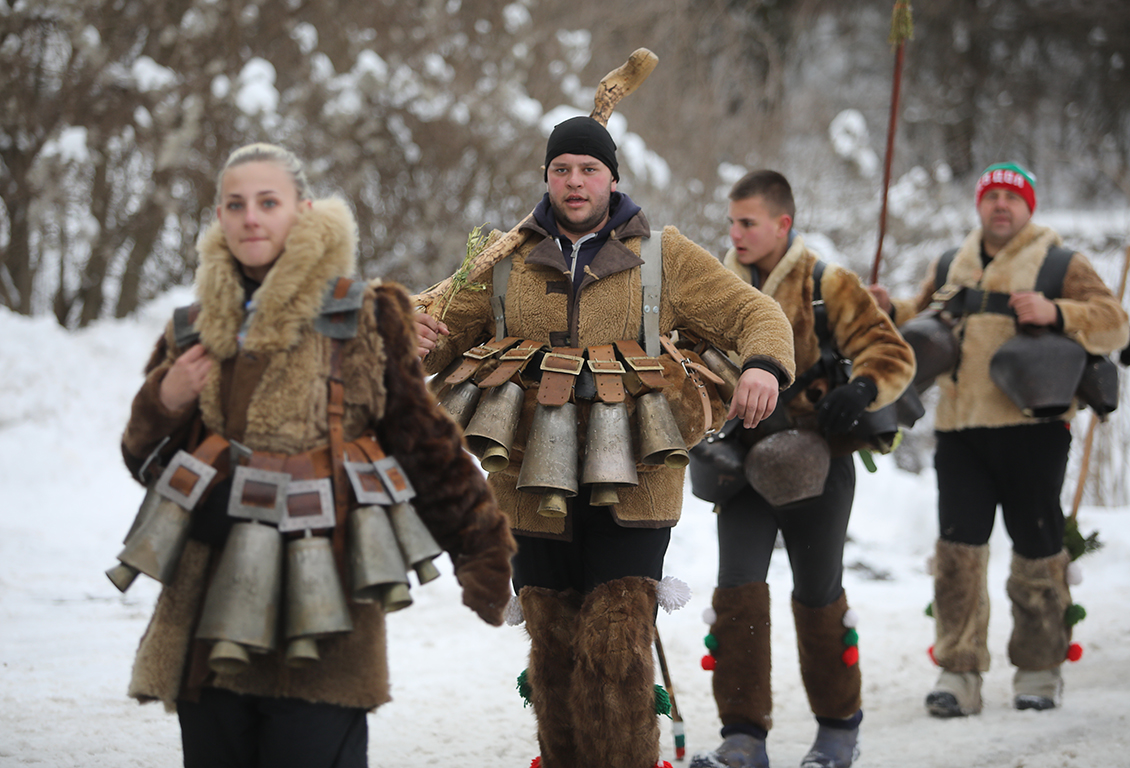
column 260, row 482
column 606, row 366
column 518, row 354
column 183, row 460
column 297, row 516
column 481, row 352
column 395, row 479
column 569, row 364
column 367, row 483
column 636, row 365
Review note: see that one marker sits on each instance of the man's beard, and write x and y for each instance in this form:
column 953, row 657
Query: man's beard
column 589, row 224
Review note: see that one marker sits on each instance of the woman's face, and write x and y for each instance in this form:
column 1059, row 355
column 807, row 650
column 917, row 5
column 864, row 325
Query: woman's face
column 258, row 206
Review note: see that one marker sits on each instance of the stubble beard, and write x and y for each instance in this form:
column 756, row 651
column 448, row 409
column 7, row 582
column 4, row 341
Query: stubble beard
column 589, row 224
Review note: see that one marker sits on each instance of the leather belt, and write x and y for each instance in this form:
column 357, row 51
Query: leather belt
column 560, row 367
column 643, row 371
column 607, row 371
column 474, row 357
column 693, row 370
column 510, row 362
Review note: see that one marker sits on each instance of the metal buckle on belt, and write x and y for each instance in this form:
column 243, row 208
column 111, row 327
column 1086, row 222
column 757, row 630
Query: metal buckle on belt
column 247, row 476
column 395, row 479
column 518, row 353
column 293, row 520
column 605, row 366
column 570, row 364
column 367, row 483
column 185, row 460
column 635, row 364
column 481, row 352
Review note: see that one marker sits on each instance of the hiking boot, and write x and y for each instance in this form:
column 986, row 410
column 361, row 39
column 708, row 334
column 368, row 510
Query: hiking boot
column 833, row 748
column 956, row 694
column 1037, row 689
column 738, row 750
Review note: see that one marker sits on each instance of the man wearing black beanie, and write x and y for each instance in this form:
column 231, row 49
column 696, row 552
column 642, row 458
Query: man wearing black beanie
column 590, row 556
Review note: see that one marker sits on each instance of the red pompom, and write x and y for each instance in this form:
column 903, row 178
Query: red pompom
column 536, row 762
column 664, row 764
column 708, row 663
column 850, row 656
column 930, row 651
column 1074, row 652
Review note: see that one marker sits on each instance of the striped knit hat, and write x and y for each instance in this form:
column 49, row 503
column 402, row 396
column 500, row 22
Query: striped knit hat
column 1010, row 176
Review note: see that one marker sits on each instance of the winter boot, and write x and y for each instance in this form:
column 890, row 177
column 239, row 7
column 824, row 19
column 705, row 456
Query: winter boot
column 1040, row 635
column 834, row 747
column 738, row 750
column 961, row 619
column 956, row 694
column 551, row 622
column 613, row 693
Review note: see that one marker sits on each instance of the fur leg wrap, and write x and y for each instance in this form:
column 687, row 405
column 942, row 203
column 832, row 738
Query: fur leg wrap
column 832, row 683
column 1040, row 597
column 742, row 660
column 961, row 606
column 613, row 696
column 551, row 622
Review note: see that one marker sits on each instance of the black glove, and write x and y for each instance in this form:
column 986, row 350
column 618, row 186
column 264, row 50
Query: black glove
column 841, row 408
column 1124, row 355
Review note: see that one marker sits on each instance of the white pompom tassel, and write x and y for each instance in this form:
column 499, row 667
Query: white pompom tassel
column 851, row 618
column 710, row 616
column 1074, row 574
column 672, row 594
column 514, row 615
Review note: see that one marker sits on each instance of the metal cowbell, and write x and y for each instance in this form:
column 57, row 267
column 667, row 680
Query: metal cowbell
column 1039, row 372
column 460, row 402
column 122, row 575
column 155, row 547
column 315, row 601
column 241, row 608
column 609, row 463
column 490, row 432
column 725, row 368
column 549, row 466
column 661, row 442
column 935, row 347
column 788, row 466
column 417, row 545
column 376, row 565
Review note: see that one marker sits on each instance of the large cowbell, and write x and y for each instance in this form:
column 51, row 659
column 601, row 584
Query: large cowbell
column 376, row 564
column 661, row 442
column 160, row 530
column 609, row 463
column 549, row 466
column 935, row 347
column 1039, row 372
column 789, row 466
column 490, row 432
column 460, row 402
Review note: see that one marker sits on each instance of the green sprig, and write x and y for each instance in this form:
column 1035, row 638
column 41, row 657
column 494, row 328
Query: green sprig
column 476, row 242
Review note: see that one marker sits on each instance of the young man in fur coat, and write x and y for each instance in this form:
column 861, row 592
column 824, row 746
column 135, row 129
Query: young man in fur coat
column 989, row 452
column 768, row 253
column 586, row 581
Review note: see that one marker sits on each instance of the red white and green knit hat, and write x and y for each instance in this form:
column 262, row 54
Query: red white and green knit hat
column 1011, row 176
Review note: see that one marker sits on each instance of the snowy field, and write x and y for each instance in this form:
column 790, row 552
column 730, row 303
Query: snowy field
column 67, row 637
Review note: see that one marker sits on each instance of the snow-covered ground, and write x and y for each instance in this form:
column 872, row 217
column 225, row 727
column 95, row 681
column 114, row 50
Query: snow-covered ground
column 67, row 637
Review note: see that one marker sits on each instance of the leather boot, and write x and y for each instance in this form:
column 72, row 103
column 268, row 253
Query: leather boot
column 613, row 692
column 961, row 624
column 1040, row 635
column 551, row 622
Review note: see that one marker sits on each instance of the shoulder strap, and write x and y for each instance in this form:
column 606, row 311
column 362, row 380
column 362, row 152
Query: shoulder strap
column 341, row 308
column 943, row 270
column 500, row 277
column 819, row 309
column 651, row 283
column 1049, row 280
column 184, row 326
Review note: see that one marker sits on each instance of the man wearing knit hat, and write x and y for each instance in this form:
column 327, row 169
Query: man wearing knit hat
column 591, row 297
column 991, row 451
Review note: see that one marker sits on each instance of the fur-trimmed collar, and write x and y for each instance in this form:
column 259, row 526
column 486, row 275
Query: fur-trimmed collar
column 321, row 245
column 786, row 265
column 1017, row 262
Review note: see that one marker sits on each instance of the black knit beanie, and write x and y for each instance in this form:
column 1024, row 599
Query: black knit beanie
column 582, row 136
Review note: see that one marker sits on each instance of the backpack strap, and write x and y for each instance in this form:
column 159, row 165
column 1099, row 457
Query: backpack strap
column 184, row 326
column 1049, row 280
column 341, row 308
column 500, row 278
column 651, row 284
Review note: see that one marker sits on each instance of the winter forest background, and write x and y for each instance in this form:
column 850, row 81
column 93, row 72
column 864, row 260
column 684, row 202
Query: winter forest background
column 430, row 118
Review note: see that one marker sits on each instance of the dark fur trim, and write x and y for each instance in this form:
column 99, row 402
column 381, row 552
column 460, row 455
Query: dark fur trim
column 741, row 680
column 551, row 622
column 833, row 687
column 961, row 606
column 1040, row 597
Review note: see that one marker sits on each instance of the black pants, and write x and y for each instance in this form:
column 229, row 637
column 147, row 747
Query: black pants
column 601, row 551
column 229, row 730
column 1021, row 468
column 814, row 531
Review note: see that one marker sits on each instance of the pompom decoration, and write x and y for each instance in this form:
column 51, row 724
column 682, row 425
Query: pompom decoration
column 711, row 642
column 929, row 610
column 851, row 618
column 523, row 687
column 514, row 615
column 930, row 651
column 1074, row 614
column 664, row 764
column 850, row 656
column 710, row 615
column 851, row 637
column 708, row 663
column 1074, row 652
column 672, row 594
column 1074, row 574
column 662, row 701
column 536, row 762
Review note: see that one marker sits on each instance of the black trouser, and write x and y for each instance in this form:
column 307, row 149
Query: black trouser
column 1021, row 468
column 601, row 551
column 814, row 531
column 230, row 730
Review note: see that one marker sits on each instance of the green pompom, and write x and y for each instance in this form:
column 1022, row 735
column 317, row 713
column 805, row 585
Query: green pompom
column 524, row 689
column 1075, row 543
column 711, row 642
column 1074, row 614
column 930, row 610
column 851, row 637
column 662, row 701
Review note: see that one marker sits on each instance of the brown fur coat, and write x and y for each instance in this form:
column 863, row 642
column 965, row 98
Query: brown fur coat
column 1092, row 316
column 697, row 294
column 862, row 332
column 271, row 395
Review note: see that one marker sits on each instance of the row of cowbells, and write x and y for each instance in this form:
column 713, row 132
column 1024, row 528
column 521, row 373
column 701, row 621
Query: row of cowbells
column 489, row 419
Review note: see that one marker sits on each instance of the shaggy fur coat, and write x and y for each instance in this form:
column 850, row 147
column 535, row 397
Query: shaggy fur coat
column 698, row 294
column 862, row 332
column 1091, row 314
column 271, row 395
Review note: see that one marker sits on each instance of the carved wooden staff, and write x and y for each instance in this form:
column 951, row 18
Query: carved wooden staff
column 613, row 87
column 1085, row 463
